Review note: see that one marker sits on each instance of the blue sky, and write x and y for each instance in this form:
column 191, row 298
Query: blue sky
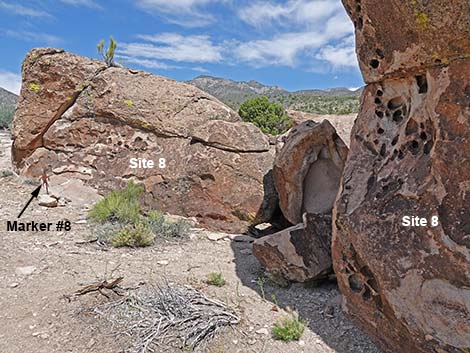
column 295, row 44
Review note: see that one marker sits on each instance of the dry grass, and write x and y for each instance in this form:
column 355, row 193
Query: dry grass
column 167, row 316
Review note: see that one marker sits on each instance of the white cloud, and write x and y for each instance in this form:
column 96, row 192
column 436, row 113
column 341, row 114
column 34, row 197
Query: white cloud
column 174, row 47
column 342, row 55
column 199, row 69
column 10, row 81
column 187, row 13
column 86, row 3
column 150, row 64
column 35, row 37
column 22, row 10
column 319, row 25
column 293, row 12
column 281, row 50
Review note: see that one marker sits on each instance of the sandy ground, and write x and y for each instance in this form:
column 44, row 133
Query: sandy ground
column 38, row 268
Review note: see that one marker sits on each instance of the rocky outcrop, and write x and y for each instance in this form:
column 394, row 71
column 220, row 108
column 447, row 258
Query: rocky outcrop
column 299, row 253
column 81, row 119
column 409, row 285
column 308, row 165
column 308, row 168
column 342, row 123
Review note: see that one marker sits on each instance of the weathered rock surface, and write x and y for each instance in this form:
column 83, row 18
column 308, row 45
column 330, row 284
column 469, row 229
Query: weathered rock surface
column 299, row 253
column 410, row 148
column 342, row 123
column 307, row 170
column 83, row 120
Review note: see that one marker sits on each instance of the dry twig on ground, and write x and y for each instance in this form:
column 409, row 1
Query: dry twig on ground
column 99, row 287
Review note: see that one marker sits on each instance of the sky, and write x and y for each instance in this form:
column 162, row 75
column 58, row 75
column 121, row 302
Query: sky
column 295, row 44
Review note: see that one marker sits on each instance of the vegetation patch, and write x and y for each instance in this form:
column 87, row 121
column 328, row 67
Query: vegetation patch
column 269, row 117
column 216, row 279
column 162, row 227
column 119, row 206
column 120, row 221
column 289, row 329
column 5, row 173
column 167, row 317
column 134, row 236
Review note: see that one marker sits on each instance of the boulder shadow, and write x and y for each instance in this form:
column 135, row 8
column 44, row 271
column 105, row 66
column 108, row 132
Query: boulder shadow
column 319, row 303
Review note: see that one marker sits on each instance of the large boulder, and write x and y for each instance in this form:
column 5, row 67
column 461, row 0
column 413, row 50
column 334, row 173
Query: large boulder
column 307, row 169
column 409, row 285
column 81, row 119
column 299, row 253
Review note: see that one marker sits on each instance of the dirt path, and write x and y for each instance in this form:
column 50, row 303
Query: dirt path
column 38, row 268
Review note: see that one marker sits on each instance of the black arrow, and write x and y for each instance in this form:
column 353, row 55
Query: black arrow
column 34, row 194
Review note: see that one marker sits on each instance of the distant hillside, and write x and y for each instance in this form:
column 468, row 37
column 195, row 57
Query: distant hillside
column 233, row 93
column 7, row 107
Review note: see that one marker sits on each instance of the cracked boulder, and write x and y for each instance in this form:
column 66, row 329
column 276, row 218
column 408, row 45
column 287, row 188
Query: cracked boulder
column 307, row 169
column 410, row 147
column 300, row 253
column 81, row 120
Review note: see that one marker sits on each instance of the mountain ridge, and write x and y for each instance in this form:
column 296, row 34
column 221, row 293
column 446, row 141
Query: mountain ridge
column 337, row 100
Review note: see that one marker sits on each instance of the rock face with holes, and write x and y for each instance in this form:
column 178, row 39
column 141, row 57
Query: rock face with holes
column 410, row 148
column 307, row 169
column 80, row 119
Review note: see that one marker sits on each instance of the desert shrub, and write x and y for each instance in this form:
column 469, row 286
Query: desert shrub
column 133, row 235
column 216, row 279
column 5, row 173
column 160, row 226
column 118, row 206
column 107, row 53
column 289, row 328
column 269, row 117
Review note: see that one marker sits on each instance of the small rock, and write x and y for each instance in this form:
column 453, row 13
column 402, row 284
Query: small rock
column 163, row 262
column 263, row 226
column 428, row 338
column 14, row 285
column 25, row 271
column 235, row 341
column 47, row 201
column 262, row 331
column 241, row 238
column 81, row 221
column 54, row 196
column 216, row 236
column 302, row 343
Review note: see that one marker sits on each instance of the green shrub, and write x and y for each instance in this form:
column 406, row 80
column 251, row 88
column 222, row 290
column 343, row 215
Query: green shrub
column 216, row 279
column 289, row 329
column 269, row 117
column 5, row 173
column 118, row 206
column 133, row 235
column 107, row 54
column 160, row 226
